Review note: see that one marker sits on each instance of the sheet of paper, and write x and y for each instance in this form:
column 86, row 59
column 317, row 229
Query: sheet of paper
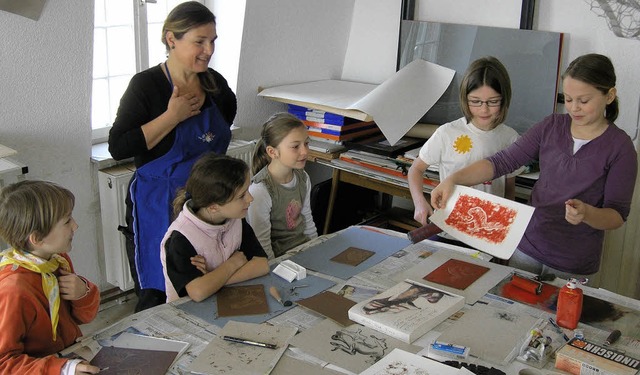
column 396, row 105
column 6, row 151
column 318, row 257
column 288, row 365
column 372, row 51
column 402, row 362
column 484, row 221
column 481, row 324
column 225, row 357
column 353, row 348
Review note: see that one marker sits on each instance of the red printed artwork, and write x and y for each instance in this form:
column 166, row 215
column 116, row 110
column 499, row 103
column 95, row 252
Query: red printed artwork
column 482, row 219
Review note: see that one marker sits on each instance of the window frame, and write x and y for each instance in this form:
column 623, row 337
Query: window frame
column 141, row 43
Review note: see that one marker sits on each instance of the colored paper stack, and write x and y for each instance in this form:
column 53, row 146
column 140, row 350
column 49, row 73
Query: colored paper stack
column 330, row 127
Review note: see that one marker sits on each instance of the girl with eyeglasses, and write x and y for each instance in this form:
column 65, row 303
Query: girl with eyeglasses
column 588, row 169
column 485, row 94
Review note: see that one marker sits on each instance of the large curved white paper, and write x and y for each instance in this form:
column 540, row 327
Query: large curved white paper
column 484, row 221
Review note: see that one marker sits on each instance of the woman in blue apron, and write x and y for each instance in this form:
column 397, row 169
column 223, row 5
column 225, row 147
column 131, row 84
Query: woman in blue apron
column 169, row 115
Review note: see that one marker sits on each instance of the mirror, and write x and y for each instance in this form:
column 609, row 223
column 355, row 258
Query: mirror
column 531, row 57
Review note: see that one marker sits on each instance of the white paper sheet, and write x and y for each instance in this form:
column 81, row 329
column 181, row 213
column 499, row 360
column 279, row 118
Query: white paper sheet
column 224, row 357
column 372, row 51
column 401, row 362
column 480, row 226
column 6, row 151
column 396, row 105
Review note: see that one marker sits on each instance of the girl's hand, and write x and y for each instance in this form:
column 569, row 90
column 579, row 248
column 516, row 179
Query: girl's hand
column 181, row 107
column 85, row 368
column 72, row 287
column 441, row 193
column 422, row 211
column 200, row 263
column 575, row 211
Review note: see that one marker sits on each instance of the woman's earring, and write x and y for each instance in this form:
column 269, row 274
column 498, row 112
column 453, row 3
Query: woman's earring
column 173, row 46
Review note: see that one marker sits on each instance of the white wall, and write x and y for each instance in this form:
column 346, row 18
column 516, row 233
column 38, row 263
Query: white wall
column 45, row 110
column 497, row 13
column 586, row 33
column 226, row 57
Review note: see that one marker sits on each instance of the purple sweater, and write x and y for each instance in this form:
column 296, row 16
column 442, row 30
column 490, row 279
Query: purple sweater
column 602, row 173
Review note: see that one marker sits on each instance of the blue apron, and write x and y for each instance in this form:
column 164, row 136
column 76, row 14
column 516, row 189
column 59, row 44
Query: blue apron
column 156, row 183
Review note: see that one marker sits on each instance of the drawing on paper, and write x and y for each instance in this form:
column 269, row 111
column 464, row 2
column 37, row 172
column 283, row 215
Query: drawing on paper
column 402, row 301
column 401, row 368
column 354, row 342
column 623, row 16
column 481, row 218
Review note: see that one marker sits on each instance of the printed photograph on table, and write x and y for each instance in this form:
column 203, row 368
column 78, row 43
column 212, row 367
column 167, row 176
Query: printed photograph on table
column 356, row 293
column 484, row 221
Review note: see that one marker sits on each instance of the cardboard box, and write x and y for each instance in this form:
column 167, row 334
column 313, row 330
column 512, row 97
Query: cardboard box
column 580, row 357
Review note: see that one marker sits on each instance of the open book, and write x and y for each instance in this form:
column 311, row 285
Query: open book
column 407, row 310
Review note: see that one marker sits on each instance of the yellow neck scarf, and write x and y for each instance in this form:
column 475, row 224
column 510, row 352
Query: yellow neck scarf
column 49, row 280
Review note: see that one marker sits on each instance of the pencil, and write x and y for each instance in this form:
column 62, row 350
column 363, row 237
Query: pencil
column 249, row 342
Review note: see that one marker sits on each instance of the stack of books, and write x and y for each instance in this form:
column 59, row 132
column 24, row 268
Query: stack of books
column 330, row 127
column 396, row 167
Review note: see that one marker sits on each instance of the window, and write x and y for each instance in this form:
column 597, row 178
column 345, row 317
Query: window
column 127, row 39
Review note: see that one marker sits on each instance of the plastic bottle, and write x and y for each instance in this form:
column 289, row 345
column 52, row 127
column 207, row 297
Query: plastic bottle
column 569, row 305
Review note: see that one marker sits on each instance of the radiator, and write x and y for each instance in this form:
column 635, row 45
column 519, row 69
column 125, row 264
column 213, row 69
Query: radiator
column 113, row 183
column 241, row 149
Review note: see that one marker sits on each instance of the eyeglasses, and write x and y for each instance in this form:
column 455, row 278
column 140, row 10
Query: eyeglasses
column 489, row 103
